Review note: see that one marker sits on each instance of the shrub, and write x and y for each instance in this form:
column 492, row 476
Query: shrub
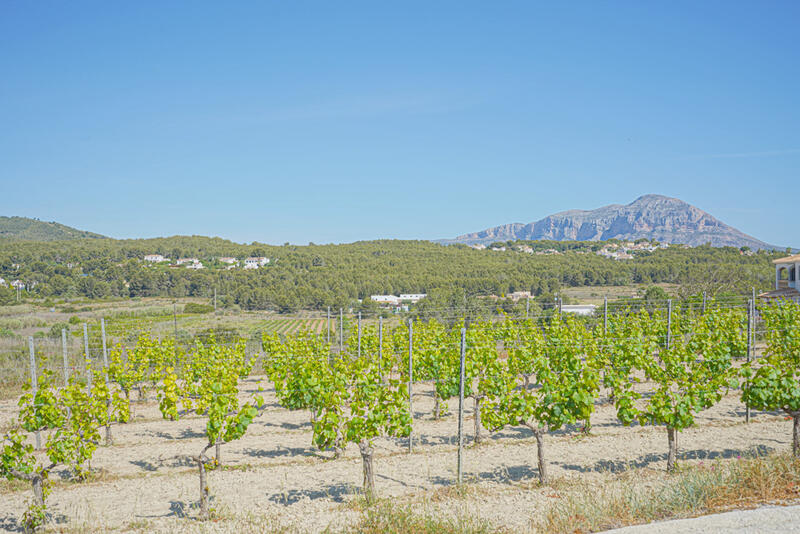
column 193, row 307
column 55, row 330
column 6, row 332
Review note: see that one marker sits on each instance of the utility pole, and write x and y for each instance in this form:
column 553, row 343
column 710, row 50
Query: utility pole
column 341, row 331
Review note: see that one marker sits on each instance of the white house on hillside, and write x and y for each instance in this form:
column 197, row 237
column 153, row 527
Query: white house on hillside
column 413, row 297
column 228, row 260
column 255, row 262
column 155, row 258
column 385, row 299
column 182, row 261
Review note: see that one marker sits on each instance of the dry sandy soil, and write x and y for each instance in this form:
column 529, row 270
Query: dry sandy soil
column 273, row 477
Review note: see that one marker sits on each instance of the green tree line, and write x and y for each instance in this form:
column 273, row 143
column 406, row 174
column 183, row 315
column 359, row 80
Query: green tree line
column 316, row 276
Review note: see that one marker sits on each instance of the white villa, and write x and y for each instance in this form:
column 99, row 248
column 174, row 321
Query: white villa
column 786, row 279
column 385, row 299
column 255, row 263
column 228, row 260
column 393, row 300
column 155, row 258
column 182, row 261
column 519, row 295
column 579, row 309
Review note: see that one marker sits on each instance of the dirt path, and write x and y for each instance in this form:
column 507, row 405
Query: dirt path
column 274, row 476
column 759, row 521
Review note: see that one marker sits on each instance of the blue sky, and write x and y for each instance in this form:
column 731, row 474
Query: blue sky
column 340, row 121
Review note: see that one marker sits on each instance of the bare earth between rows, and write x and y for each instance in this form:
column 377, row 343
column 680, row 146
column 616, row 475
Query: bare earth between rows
column 146, row 481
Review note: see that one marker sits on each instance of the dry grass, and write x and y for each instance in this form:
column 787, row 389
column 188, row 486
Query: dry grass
column 388, row 518
column 694, row 491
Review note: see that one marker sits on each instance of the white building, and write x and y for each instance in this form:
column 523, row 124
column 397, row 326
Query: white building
column 385, row 299
column 413, row 297
column 255, row 263
column 229, row 260
column 2, row 281
column 196, row 265
column 19, row 284
column 579, row 309
column 786, row 283
column 155, row 258
column 183, row 261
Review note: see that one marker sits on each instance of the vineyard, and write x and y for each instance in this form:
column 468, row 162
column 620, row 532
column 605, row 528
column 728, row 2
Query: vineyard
column 153, row 431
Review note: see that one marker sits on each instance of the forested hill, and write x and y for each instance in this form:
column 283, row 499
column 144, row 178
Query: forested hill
column 25, row 229
column 316, row 276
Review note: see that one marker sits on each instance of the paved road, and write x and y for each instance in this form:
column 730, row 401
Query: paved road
column 759, row 521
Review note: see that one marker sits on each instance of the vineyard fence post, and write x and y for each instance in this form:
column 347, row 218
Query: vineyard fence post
column 605, row 315
column 34, row 386
column 380, row 346
column 105, row 350
column 410, row 380
column 460, row 475
column 704, row 302
column 105, row 377
column 749, row 349
column 64, row 356
column 87, row 358
column 669, row 322
column 359, row 334
column 341, row 330
column 329, row 325
column 527, row 306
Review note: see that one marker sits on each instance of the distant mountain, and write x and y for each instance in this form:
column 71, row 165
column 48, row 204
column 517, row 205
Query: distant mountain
column 665, row 219
column 25, row 229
